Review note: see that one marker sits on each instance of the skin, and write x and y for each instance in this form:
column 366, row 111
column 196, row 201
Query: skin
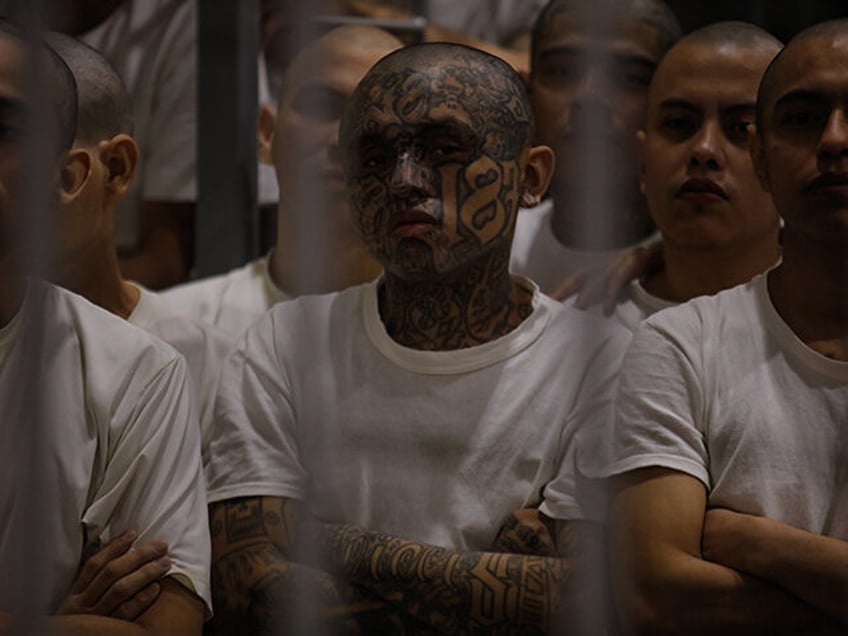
column 719, row 226
column 300, row 139
column 604, row 100
column 435, row 177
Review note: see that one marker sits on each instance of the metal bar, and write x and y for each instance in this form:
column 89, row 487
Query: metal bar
column 226, row 224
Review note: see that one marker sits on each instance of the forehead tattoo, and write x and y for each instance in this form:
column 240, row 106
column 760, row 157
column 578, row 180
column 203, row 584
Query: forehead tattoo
column 462, row 88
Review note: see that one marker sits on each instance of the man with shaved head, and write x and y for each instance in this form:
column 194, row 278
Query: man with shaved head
column 317, row 249
column 591, row 63
column 402, row 421
column 729, row 512
column 718, row 224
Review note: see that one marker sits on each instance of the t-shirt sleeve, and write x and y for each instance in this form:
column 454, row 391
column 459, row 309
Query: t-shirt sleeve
column 153, row 480
column 571, row 495
column 659, row 407
column 253, row 448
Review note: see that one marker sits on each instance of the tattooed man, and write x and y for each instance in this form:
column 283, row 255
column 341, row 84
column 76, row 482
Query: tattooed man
column 400, row 422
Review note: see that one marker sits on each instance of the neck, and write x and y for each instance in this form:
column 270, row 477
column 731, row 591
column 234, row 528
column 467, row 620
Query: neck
column 610, row 224
column 475, row 305
column 13, row 288
column 690, row 273
column 810, row 293
column 94, row 273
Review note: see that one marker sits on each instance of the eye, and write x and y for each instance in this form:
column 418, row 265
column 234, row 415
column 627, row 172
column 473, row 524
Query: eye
column 801, row 118
column 445, row 151
column 737, row 131
column 678, row 126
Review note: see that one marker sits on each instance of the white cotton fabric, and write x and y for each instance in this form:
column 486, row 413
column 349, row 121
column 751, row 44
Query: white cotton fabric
column 637, row 304
column 119, row 446
column 499, row 22
column 721, row 389
column 320, row 405
column 232, row 301
column 153, row 46
column 204, row 347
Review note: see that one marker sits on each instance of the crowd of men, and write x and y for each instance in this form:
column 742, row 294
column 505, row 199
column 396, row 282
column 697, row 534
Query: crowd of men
column 418, row 438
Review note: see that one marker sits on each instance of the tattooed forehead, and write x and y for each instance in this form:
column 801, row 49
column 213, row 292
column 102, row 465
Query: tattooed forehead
column 493, row 107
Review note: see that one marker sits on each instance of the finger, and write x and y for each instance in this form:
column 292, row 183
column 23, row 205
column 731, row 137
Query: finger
column 126, row 588
column 118, row 568
column 94, row 564
column 569, row 286
column 138, row 604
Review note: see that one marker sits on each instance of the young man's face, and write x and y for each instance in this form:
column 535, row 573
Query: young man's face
column 698, row 178
column 805, row 137
column 12, row 119
column 435, row 163
column 589, row 89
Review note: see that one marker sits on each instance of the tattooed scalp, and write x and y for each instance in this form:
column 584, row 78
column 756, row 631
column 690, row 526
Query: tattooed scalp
column 446, row 77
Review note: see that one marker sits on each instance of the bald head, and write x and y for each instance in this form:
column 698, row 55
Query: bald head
column 350, row 42
column 653, row 13
column 826, row 34
column 104, row 106
column 57, row 82
column 727, row 39
column 438, row 79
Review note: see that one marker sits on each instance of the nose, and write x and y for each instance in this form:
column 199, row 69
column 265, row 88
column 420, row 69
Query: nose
column 409, row 177
column 708, row 147
column 833, row 143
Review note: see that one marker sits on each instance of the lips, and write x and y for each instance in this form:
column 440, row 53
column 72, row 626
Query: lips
column 702, row 190
column 411, row 223
column 830, row 183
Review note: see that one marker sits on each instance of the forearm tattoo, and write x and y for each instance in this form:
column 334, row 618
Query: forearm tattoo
column 257, row 590
column 470, row 592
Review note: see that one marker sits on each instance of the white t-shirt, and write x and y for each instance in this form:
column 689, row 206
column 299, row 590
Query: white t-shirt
column 232, row 301
column 637, row 304
column 498, row 22
column 119, row 447
column 721, row 389
column 538, row 254
column 153, row 46
column 204, row 347
column 320, row 405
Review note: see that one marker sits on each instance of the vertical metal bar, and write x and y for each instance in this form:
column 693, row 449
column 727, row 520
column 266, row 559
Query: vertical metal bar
column 227, row 224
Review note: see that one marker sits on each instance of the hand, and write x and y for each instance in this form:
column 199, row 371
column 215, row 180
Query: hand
column 118, row 580
column 526, row 532
column 607, row 284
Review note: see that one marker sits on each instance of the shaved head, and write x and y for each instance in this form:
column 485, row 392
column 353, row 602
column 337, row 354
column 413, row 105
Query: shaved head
column 833, row 29
column 653, row 13
column 723, row 36
column 447, row 77
column 344, row 41
column 104, row 106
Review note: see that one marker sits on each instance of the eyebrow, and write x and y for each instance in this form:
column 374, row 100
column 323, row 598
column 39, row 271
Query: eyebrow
column 616, row 57
column 673, row 103
column 799, row 95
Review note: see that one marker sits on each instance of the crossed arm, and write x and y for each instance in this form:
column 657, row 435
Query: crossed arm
column 661, row 581
column 356, row 573
column 812, row 567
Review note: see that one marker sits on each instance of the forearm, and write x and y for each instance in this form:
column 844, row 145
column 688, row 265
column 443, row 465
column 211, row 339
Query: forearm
column 81, row 624
column 256, row 590
column 454, row 592
column 810, row 566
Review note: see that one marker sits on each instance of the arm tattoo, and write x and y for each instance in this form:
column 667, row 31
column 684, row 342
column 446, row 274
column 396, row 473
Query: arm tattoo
column 469, row 592
column 257, row 590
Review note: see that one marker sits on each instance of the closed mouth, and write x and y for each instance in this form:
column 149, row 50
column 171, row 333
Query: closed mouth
column 702, row 187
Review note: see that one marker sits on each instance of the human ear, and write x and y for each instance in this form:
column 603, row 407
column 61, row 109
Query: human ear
column 265, row 124
column 537, row 175
column 640, row 157
column 74, row 174
column 119, row 156
column 758, row 158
